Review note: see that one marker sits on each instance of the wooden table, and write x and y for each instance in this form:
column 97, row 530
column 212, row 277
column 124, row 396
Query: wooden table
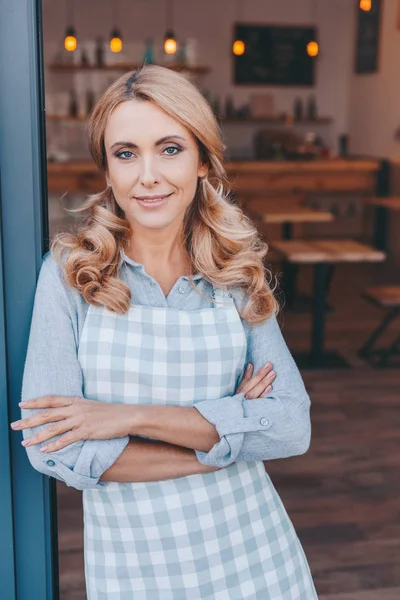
column 383, row 207
column 285, row 214
column 322, row 254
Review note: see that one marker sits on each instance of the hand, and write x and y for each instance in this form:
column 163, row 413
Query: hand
column 259, row 385
column 76, row 418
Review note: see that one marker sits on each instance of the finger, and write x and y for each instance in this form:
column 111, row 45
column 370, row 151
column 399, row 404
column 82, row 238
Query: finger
column 49, row 401
column 49, row 432
column 65, row 440
column 267, row 391
column 46, row 415
column 255, row 380
column 258, row 390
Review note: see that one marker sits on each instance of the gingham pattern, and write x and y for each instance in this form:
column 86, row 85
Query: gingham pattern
column 219, row 536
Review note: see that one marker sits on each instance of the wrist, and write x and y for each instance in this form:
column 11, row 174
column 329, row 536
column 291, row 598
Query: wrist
column 134, row 418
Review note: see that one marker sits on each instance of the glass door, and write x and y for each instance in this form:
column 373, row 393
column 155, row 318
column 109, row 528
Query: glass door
column 28, row 538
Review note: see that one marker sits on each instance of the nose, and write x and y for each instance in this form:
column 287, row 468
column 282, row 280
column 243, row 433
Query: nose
column 149, row 173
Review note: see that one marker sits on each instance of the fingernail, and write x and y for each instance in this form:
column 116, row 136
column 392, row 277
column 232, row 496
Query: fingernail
column 269, row 389
column 43, row 449
column 16, row 424
column 249, row 367
column 271, row 374
column 26, row 443
column 268, row 364
column 22, row 403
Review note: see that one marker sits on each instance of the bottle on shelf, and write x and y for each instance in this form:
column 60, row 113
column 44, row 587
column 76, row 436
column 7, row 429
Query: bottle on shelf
column 149, row 52
column 229, row 107
column 312, row 108
column 298, row 109
column 73, row 104
column 90, row 101
column 99, row 52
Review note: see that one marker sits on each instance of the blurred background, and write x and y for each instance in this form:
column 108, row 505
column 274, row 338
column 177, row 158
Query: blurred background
column 307, row 96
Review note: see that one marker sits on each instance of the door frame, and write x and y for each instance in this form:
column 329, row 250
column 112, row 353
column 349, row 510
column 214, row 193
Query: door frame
column 28, row 519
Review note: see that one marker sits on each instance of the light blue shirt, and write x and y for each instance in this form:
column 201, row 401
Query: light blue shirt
column 273, row 427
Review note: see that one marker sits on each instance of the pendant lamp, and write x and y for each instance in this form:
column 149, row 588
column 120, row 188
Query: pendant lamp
column 238, row 46
column 70, row 41
column 115, row 37
column 313, row 45
column 170, row 44
column 366, row 5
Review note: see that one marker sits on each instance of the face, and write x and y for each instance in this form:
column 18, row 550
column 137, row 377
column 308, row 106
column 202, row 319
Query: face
column 153, row 165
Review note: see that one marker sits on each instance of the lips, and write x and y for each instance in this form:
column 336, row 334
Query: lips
column 152, row 198
column 152, row 201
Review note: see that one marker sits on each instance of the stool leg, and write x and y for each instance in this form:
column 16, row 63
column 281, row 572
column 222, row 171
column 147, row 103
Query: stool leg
column 318, row 322
column 366, row 349
column 392, row 350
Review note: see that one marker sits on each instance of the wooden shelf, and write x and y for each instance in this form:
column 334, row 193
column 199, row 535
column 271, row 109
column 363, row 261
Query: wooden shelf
column 277, row 121
column 65, row 119
column 249, row 120
column 64, row 67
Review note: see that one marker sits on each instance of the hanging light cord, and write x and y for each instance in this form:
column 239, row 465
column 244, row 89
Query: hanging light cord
column 239, row 12
column 70, row 12
column 170, row 14
column 115, row 14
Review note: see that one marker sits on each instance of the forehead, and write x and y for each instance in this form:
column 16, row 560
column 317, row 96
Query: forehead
column 136, row 120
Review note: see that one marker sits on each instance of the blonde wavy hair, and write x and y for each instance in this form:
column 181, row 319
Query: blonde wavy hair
column 221, row 242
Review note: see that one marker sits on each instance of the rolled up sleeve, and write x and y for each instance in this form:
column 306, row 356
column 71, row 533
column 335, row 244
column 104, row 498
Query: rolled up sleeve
column 277, row 426
column 52, row 367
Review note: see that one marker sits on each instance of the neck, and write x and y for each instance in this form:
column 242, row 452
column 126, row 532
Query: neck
column 159, row 250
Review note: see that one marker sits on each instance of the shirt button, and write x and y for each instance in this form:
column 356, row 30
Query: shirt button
column 181, row 290
column 264, row 421
column 51, row 463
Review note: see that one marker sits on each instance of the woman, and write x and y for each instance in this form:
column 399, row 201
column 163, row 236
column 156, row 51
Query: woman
column 143, row 323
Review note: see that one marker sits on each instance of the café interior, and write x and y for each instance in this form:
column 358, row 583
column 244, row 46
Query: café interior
column 307, row 98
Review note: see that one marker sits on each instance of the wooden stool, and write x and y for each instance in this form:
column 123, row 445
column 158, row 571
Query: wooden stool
column 385, row 298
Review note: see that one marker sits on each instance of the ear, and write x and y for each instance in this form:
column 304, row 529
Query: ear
column 202, row 170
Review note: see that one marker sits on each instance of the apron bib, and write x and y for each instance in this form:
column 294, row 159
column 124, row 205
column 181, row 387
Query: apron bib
column 223, row 535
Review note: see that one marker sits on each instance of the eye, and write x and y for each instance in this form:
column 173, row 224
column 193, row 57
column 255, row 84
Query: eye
column 120, row 154
column 172, row 150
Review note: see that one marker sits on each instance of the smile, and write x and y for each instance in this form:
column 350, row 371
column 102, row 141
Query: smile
column 152, row 201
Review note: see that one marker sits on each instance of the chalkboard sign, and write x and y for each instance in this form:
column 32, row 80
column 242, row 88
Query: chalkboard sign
column 274, row 55
column 368, row 34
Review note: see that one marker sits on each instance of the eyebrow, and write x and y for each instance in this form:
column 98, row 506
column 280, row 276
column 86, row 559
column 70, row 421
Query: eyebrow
column 158, row 142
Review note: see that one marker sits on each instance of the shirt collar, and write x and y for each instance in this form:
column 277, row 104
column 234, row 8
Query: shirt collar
column 140, row 267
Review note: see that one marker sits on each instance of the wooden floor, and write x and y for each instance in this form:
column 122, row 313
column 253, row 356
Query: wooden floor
column 344, row 495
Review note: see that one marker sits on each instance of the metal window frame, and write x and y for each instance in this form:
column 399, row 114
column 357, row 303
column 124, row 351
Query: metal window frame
column 28, row 538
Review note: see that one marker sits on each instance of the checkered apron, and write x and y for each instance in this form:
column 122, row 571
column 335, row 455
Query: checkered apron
column 223, row 535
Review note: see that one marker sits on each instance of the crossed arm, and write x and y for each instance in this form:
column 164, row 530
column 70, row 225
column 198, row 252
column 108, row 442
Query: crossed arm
column 265, row 428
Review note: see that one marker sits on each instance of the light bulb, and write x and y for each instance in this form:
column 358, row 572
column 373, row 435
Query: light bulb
column 238, row 47
column 170, row 43
column 312, row 48
column 366, row 5
column 115, row 41
column 70, row 41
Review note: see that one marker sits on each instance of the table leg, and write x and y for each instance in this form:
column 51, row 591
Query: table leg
column 317, row 357
column 318, row 322
column 287, row 231
column 381, row 226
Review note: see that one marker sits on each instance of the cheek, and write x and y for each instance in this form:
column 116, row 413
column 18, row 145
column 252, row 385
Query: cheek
column 121, row 178
column 185, row 177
